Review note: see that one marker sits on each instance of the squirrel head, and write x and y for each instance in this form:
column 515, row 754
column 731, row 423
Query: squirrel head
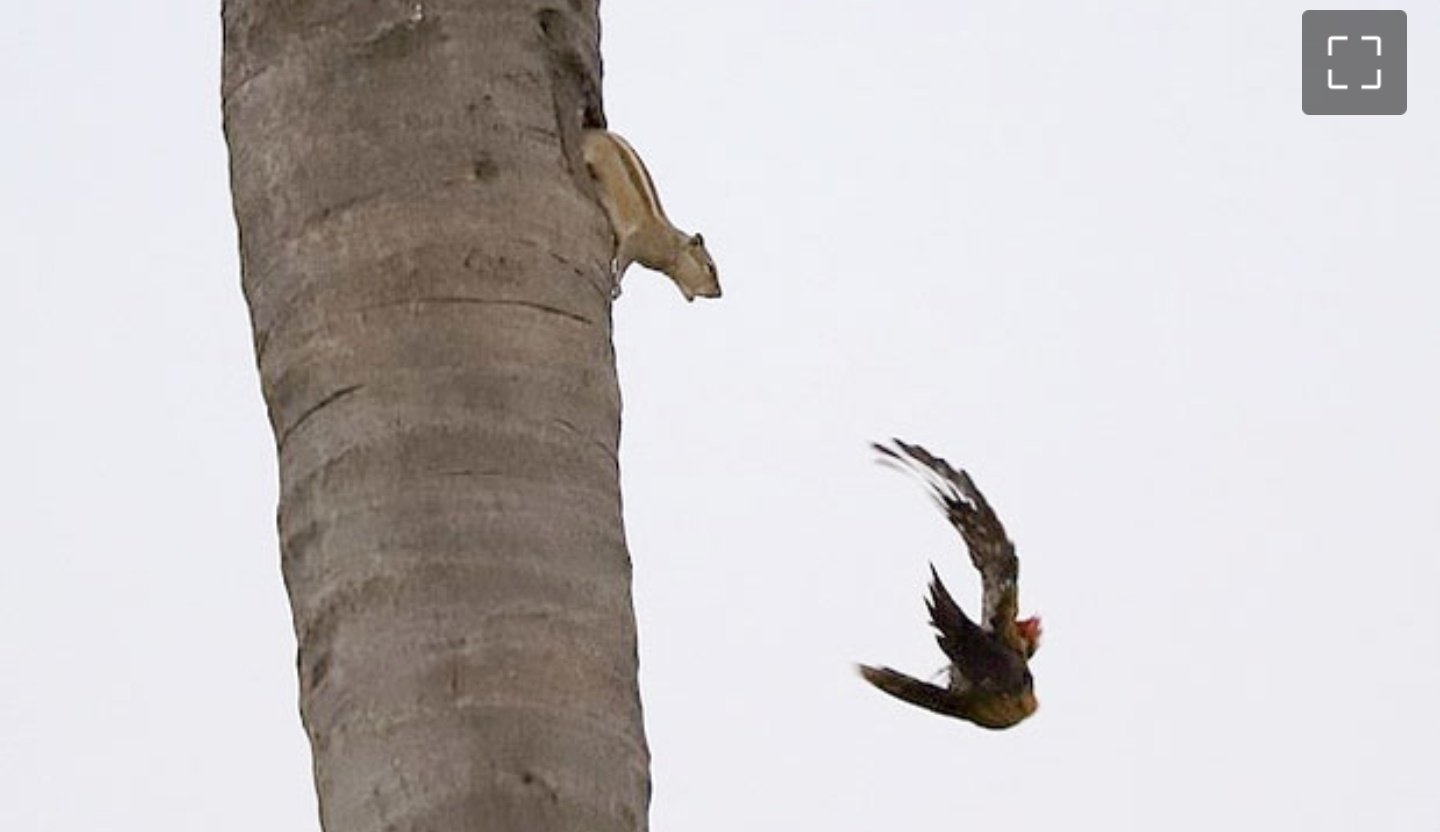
column 694, row 270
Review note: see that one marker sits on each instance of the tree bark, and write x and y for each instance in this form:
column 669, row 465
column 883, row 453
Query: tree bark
column 427, row 277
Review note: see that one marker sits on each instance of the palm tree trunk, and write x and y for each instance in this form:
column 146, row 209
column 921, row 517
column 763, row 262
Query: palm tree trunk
column 427, row 280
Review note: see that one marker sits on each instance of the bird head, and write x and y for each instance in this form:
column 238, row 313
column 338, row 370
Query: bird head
column 1029, row 634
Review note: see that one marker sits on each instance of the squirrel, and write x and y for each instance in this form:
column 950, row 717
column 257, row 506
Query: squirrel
column 642, row 232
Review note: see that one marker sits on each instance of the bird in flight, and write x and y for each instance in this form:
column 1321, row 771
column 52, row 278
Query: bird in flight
column 990, row 682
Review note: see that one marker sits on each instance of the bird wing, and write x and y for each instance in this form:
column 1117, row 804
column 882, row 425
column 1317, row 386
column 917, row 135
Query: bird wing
column 991, row 550
column 978, row 656
column 959, row 637
column 912, row 690
column 996, row 711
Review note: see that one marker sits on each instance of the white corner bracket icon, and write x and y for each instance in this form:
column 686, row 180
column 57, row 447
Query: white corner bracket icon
column 1330, row 73
column 1376, row 85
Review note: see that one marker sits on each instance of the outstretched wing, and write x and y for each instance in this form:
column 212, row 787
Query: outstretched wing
column 991, row 550
column 993, row 711
column 980, row 658
column 912, row 690
column 971, row 649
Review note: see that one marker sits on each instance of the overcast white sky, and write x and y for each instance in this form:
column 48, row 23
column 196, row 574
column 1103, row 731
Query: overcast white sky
column 1183, row 335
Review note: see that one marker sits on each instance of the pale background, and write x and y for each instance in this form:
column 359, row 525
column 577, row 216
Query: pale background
column 1184, row 336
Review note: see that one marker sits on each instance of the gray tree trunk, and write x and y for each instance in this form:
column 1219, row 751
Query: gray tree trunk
column 427, row 278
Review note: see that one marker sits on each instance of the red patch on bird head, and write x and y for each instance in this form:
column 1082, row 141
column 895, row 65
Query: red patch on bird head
column 1030, row 633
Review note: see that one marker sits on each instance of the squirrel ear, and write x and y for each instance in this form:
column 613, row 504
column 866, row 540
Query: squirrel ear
column 697, row 240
